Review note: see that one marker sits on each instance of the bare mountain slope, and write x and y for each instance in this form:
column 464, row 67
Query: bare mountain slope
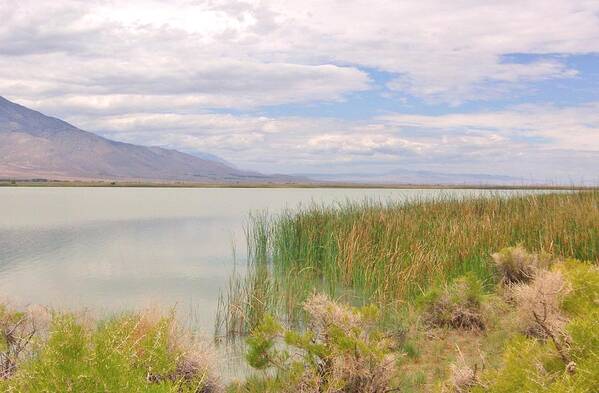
column 33, row 145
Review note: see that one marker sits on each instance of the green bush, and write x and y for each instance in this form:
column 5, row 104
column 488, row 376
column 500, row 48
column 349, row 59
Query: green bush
column 342, row 351
column 584, row 280
column 134, row 353
column 533, row 365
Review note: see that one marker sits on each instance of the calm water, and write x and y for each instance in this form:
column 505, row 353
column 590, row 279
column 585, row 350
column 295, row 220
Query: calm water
column 123, row 248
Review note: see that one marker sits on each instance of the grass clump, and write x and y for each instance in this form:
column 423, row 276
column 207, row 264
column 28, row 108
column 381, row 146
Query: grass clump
column 457, row 305
column 342, row 351
column 516, row 265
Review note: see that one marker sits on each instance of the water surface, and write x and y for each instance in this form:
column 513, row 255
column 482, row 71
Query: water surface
column 113, row 249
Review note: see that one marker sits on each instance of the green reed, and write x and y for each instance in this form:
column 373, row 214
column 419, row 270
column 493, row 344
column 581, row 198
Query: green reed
column 389, row 252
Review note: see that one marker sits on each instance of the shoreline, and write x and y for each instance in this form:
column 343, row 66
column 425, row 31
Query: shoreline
column 340, row 185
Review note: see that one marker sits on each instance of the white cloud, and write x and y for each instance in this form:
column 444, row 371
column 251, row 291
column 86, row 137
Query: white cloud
column 163, row 72
column 544, row 142
column 364, row 144
column 444, row 50
column 574, row 128
column 113, row 88
column 240, row 54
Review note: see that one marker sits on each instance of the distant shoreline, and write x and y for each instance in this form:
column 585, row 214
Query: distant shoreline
column 341, row 185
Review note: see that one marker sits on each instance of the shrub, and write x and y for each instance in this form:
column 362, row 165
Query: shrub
column 457, row 305
column 566, row 363
column 516, row 265
column 131, row 353
column 527, row 367
column 16, row 332
column 539, row 303
column 462, row 376
column 341, row 351
column 583, row 278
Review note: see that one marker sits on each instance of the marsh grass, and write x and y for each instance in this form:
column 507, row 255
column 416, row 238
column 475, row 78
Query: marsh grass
column 389, row 253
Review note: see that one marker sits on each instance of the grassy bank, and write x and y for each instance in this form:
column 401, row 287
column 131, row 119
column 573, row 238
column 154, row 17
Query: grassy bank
column 535, row 331
column 370, row 297
column 438, row 309
column 389, row 253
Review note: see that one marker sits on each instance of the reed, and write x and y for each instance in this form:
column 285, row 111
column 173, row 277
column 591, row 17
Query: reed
column 389, row 252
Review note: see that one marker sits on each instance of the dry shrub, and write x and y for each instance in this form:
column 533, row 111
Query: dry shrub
column 17, row 329
column 462, row 376
column 198, row 362
column 516, row 265
column 324, row 313
column 195, row 359
column 366, row 370
column 444, row 313
column 539, row 303
column 540, row 313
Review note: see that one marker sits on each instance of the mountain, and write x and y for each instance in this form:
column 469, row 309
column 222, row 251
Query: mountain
column 33, row 145
column 420, row 177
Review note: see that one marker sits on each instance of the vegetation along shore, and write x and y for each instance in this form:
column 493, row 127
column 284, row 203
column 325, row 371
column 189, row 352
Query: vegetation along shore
column 289, row 184
column 494, row 294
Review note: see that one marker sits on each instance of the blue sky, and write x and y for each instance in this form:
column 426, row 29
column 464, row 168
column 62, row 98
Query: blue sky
column 504, row 88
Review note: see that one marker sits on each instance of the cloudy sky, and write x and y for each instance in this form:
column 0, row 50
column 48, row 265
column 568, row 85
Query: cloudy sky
column 315, row 86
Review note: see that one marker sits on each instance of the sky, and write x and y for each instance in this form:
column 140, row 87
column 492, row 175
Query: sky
column 321, row 86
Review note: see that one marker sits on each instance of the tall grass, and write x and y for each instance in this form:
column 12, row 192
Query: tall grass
column 389, row 252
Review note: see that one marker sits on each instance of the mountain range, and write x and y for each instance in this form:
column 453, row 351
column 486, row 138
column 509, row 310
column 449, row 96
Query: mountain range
column 405, row 176
column 36, row 146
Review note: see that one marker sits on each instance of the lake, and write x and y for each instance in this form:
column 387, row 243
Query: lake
column 111, row 249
